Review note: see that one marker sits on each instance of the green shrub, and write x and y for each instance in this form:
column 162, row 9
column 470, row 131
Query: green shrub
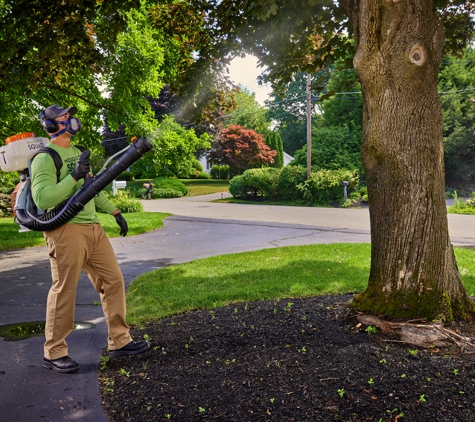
column 289, row 178
column 470, row 202
column 170, row 183
column 197, row 166
column 166, row 193
column 325, row 186
column 238, row 188
column 199, row 175
column 203, row 175
column 290, row 184
column 8, row 181
column 159, row 193
column 151, row 173
column 193, row 175
column 124, row 203
column 167, row 173
column 220, row 172
column 126, row 175
column 261, row 182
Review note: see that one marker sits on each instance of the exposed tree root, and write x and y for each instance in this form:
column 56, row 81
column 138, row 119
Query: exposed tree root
column 422, row 335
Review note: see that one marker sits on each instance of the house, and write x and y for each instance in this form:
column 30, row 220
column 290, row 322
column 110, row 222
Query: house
column 287, row 158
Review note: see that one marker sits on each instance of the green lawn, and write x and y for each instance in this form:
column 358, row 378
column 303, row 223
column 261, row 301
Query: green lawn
column 287, row 272
column 195, row 186
column 138, row 223
column 205, row 187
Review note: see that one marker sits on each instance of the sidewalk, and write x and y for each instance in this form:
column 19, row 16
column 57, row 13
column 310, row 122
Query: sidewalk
column 198, row 229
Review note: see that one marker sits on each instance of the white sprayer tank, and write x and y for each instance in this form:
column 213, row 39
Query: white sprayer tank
column 18, row 150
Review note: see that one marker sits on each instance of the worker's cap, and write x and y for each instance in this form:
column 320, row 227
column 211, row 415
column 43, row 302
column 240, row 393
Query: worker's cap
column 55, row 110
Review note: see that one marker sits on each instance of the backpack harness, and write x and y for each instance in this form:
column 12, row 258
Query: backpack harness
column 23, row 198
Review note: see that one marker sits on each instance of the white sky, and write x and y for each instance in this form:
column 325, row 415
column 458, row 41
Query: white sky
column 244, row 71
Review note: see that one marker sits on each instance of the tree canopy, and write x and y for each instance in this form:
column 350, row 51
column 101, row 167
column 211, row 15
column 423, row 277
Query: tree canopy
column 174, row 148
column 106, row 58
column 457, row 90
column 247, row 112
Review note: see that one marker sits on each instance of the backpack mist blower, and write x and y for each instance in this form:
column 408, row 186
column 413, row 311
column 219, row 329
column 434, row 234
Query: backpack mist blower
column 16, row 155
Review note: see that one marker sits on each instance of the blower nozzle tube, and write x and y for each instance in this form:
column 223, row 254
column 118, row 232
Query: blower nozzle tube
column 66, row 211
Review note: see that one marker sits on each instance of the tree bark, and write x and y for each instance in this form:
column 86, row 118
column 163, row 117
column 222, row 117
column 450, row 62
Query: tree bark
column 413, row 274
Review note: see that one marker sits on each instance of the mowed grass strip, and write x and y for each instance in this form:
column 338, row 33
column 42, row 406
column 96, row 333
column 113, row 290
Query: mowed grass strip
column 287, row 272
column 139, row 222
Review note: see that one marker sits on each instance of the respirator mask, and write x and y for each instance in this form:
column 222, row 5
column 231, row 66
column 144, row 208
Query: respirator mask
column 73, row 126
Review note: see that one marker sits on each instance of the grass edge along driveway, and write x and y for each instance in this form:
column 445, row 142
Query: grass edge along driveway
column 276, row 273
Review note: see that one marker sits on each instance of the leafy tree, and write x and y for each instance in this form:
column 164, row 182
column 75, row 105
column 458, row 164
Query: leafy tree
column 138, row 50
column 199, row 77
column 457, row 85
column 247, row 112
column 399, row 47
column 241, row 149
column 396, row 49
column 62, row 53
column 287, row 108
column 60, row 70
column 174, row 148
column 345, row 107
column 44, row 38
column 333, row 148
column 337, row 132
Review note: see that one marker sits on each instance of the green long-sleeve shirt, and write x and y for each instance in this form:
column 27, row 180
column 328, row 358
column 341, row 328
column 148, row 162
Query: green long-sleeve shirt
column 47, row 193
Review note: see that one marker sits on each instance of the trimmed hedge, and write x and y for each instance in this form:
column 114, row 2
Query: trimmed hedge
column 291, row 183
column 220, row 172
column 325, row 186
column 170, row 183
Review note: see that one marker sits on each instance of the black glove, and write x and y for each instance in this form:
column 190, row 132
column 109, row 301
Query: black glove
column 124, row 228
column 83, row 166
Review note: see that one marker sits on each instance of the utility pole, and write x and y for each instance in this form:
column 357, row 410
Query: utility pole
column 309, row 126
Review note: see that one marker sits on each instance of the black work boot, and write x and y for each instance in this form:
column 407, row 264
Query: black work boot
column 133, row 348
column 64, row 365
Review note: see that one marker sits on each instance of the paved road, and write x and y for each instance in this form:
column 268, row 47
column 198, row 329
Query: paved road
column 461, row 227
column 198, row 229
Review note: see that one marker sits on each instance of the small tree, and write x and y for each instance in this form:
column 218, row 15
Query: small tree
column 174, row 148
column 274, row 141
column 241, row 149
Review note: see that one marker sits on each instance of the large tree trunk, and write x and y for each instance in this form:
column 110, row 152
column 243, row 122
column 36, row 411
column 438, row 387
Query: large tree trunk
column 413, row 274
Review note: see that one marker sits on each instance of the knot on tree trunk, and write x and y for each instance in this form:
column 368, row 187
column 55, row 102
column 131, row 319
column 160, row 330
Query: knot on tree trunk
column 418, row 54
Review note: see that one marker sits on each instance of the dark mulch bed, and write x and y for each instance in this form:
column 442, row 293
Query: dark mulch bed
column 286, row 360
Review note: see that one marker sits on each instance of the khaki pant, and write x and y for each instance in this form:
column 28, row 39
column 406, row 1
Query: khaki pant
column 73, row 248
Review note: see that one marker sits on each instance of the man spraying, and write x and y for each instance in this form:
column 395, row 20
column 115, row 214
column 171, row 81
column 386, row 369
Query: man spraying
column 79, row 245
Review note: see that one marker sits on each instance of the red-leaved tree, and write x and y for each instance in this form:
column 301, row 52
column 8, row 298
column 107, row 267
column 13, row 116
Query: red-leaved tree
column 241, row 149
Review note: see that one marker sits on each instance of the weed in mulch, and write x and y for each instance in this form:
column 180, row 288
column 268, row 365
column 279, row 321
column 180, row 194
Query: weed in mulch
column 284, row 360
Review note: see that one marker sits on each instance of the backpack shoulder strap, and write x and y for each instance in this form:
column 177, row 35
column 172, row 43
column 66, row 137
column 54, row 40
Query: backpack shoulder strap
column 58, row 162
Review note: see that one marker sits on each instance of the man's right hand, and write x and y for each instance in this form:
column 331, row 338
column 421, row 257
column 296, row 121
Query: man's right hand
column 83, row 166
